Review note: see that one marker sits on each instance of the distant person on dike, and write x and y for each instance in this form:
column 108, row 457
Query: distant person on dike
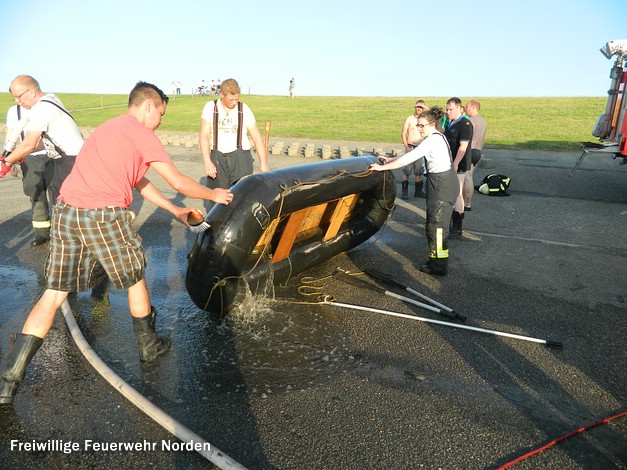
column 50, row 123
column 292, row 89
column 410, row 138
column 479, row 129
column 35, row 178
column 224, row 144
column 92, row 223
column 442, row 186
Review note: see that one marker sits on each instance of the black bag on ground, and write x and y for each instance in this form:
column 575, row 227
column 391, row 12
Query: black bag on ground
column 494, row 185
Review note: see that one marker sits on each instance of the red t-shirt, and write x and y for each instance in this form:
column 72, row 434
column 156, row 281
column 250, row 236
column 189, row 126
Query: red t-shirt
column 112, row 161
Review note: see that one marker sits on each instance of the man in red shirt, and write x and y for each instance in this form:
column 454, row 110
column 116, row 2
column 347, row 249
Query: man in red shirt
column 92, row 224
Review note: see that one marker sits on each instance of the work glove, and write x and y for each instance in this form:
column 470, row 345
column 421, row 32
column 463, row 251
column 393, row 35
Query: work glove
column 4, row 168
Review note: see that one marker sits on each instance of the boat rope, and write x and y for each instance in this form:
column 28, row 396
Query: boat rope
column 312, row 286
column 563, row 438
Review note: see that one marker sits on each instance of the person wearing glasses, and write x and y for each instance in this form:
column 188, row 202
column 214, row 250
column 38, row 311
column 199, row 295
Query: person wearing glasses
column 92, row 224
column 410, row 138
column 442, row 185
column 50, row 123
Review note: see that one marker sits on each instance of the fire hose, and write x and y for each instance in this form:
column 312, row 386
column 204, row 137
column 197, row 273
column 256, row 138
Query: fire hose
column 214, row 454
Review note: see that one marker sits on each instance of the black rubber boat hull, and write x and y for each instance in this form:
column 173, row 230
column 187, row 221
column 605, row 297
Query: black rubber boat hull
column 222, row 256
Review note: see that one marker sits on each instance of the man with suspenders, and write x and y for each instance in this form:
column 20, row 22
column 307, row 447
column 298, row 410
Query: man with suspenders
column 224, row 144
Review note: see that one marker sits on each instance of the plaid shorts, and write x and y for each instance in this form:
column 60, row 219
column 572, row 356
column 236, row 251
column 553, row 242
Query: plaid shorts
column 80, row 238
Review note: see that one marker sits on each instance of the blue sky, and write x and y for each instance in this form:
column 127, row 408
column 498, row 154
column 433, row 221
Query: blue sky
column 342, row 47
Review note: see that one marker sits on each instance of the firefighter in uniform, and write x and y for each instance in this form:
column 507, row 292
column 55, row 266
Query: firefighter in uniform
column 442, row 186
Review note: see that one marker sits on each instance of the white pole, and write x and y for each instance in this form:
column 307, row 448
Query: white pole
column 556, row 344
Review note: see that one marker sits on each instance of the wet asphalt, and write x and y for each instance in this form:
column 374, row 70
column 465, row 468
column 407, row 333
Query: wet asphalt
column 288, row 383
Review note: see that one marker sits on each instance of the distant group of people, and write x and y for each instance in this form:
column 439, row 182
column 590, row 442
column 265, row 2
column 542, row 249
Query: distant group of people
column 202, row 89
column 445, row 146
column 212, row 89
column 90, row 184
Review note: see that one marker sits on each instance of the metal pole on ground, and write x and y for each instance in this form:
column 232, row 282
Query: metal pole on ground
column 390, row 280
column 547, row 342
column 351, row 279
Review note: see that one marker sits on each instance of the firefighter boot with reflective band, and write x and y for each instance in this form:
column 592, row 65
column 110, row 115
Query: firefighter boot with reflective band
column 151, row 346
column 404, row 189
column 456, row 225
column 22, row 349
column 418, row 189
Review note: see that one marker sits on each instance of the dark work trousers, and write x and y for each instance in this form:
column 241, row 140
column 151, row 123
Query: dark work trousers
column 230, row 167
column 58, row 170
column 442, row 191
column 35, row 182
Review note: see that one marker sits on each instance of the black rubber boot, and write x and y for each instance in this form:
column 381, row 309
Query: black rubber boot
column 404, row 189
column 151, row 346
column 418, row 192
column 435, row 266
column 456, row 225
column 22, row 349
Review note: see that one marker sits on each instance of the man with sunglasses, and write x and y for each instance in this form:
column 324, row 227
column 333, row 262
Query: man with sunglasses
column 410, row 138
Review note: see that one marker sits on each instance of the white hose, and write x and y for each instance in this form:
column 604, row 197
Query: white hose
column 214, row 454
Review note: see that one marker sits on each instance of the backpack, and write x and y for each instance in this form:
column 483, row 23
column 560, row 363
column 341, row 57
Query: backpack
column 494, row 185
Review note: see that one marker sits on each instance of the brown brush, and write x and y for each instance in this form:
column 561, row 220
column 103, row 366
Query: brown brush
column 197, row 223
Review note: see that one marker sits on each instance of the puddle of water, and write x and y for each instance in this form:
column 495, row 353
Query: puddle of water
column 19, row 290
column 264, row 346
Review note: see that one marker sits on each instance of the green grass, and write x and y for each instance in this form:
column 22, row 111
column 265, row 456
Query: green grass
column 557, row 124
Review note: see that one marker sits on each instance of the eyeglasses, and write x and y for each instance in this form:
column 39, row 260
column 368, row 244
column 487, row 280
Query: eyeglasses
column 422, row 126
column 19, row 97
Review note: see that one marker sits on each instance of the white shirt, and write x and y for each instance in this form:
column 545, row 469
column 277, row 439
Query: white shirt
column 227, row 125
column 13, row 123
column 46, row 117
column 434, row 149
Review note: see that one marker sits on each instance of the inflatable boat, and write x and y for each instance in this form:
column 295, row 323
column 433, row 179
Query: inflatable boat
column 284, row 221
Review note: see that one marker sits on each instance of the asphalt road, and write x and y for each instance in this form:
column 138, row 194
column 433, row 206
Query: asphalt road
column 285, row 384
